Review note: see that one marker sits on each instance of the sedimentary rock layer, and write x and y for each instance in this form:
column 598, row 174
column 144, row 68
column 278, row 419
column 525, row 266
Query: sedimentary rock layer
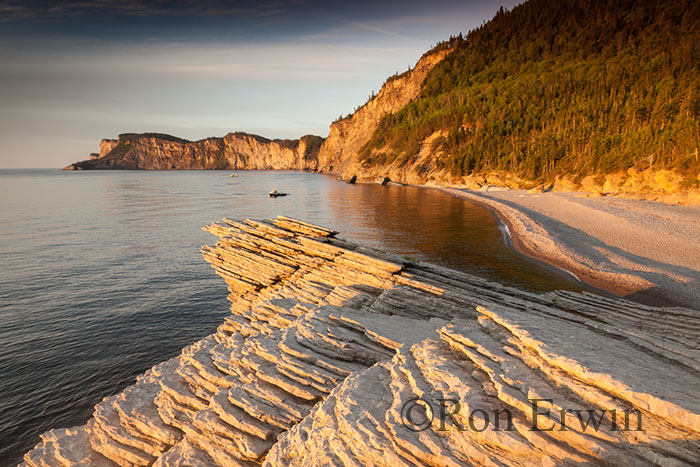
column 233, row 151
column 338, row 153
column 338, row 355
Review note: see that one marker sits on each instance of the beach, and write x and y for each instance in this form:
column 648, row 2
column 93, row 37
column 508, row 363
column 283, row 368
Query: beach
column 641, row 250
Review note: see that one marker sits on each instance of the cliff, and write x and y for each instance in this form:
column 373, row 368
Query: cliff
column 347, row 136
column 153, row 151
column 600, row 96
column 335, row 355
column 546, row 96
column 337, row 154
column 106, row 145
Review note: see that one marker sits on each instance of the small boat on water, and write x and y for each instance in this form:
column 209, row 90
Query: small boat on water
column 276, row 194
column 233, row 175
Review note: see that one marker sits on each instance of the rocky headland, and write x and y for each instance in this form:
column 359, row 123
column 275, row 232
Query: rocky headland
column 335, row 354
column 154, row 151
column 341, row 153
column 335, row 154
column 545, row 96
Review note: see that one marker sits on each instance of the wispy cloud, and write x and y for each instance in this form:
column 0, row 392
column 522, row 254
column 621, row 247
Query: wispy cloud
column 386, row 32
column 268, row 62
column 15, row 10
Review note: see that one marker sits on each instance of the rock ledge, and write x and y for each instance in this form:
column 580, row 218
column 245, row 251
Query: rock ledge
column 335, row 355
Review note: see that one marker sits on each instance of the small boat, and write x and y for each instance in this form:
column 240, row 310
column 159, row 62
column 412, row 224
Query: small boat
column 276, row 194
column 233, row 175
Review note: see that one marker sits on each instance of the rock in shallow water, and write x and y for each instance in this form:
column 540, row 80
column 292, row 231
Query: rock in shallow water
column 336, row 355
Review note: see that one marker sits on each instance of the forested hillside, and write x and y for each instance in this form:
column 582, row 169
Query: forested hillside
column 576, row 87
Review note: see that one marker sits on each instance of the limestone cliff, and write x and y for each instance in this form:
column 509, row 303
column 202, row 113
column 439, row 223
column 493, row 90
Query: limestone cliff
column 106, row 145
column 335, row 355
column 155, row 151
column 339, row 152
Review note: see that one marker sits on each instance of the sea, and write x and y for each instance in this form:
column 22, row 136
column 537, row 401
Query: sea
column 101, row 276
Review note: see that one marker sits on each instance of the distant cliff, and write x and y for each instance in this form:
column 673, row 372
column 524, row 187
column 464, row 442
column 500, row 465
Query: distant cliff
column 155, row 151
column 337, row 154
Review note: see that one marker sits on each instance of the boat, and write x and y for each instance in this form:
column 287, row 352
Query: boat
column 276, row 194
column 233, row 175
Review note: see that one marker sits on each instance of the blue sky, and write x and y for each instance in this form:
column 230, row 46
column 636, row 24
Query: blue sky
column 74, row 72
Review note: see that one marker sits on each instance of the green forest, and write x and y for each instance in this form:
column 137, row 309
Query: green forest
column 577, row 87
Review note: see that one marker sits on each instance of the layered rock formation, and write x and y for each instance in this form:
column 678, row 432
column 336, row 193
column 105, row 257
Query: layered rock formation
column 338, row 355
column 106, row 145
column 233, row 151
column 337, row 154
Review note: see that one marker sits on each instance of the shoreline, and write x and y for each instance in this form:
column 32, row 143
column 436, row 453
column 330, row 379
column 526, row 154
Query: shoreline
column 514, row 241
column 589, row 258
column 542, row 231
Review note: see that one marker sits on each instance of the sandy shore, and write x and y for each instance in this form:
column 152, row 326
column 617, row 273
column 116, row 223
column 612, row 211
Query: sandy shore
column 641, row 250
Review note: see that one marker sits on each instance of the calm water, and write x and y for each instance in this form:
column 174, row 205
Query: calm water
column 101, row 275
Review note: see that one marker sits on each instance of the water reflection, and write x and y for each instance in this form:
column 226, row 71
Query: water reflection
column 102, row 277
column 429, row 225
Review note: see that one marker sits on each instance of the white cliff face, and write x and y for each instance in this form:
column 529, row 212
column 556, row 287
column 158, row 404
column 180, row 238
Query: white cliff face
column 249, row 152
column 328, row 343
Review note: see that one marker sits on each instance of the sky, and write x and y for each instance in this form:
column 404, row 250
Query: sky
column 74, row 72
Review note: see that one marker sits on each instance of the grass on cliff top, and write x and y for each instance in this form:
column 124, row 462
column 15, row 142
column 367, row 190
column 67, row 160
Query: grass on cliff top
column 561, row 86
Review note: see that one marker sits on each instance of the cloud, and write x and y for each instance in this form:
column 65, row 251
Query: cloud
column 16, row 10
column 268, row 62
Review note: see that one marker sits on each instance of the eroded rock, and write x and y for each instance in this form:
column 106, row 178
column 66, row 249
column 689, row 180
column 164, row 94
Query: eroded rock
column 327, row 343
